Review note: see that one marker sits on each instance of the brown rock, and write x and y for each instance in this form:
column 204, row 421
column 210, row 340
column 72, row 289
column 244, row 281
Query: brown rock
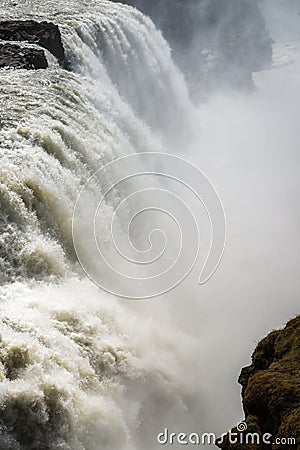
column 271, row 389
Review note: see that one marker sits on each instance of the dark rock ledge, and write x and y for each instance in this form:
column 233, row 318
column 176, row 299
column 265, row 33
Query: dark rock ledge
column 271, row 390
column 14, row 56
column 44, row 34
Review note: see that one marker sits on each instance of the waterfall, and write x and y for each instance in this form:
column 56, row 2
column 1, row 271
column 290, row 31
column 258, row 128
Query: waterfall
column 79, row 369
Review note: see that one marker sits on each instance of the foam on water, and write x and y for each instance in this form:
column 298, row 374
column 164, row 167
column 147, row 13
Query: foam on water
column 79, row 370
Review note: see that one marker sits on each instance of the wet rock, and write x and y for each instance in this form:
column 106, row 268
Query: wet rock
column 16, row 57
column 271, row 390
column 44, row 34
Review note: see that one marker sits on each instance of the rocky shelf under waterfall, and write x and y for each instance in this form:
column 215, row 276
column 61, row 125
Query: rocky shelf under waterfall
column 44, row 34
column 16, row 57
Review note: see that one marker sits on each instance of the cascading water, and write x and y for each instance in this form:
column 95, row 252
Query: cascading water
column 78, row 122
column 75, row 372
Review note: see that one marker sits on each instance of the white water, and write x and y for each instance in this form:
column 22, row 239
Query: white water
column 80, row 369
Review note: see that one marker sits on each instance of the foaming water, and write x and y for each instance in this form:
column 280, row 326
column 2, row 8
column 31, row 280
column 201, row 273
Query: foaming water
column 119, row 47
column 79, row 369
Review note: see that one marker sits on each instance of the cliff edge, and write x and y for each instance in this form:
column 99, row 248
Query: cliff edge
column 271, row 390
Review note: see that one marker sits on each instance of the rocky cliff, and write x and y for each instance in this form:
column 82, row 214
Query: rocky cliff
column 42, row 34
column 16, row 57
column 271, row 390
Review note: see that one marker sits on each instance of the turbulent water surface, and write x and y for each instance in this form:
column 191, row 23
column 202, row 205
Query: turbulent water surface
column 75, row 370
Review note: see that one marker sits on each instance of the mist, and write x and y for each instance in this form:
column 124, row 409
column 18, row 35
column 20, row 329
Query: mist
column 249, row 147
column 247, row 144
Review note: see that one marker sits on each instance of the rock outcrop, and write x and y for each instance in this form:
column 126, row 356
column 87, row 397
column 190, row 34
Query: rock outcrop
column 44, row 34
column 16, row 57
column 271, row 390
